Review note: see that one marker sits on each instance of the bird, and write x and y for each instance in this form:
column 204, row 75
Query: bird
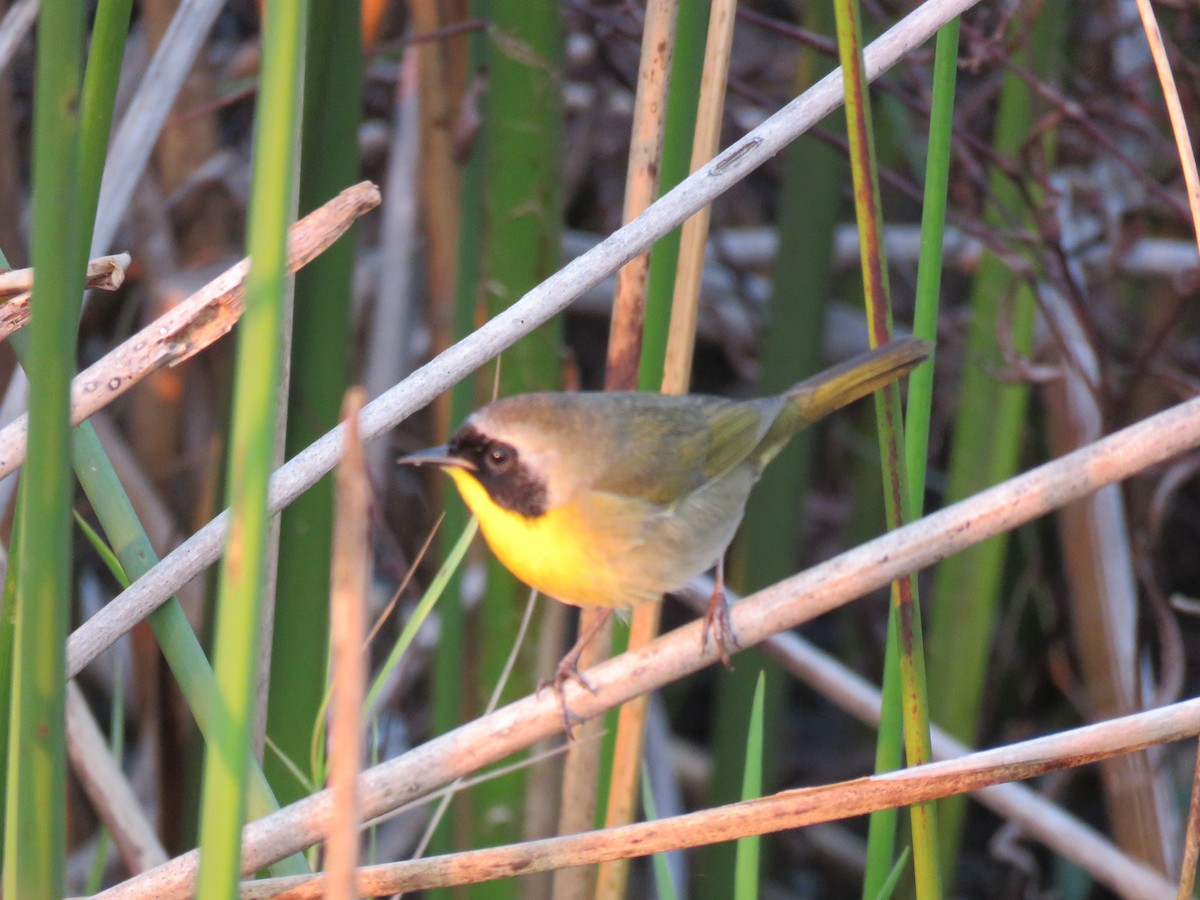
column 612, row 499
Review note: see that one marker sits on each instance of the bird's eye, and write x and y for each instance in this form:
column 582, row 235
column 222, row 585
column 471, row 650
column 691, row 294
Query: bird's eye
column 499, row 457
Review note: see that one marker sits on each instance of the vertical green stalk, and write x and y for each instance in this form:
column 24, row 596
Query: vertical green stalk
column 8, row 631
column 810, row 208
column 905, row 609
column 929, row 265
column 252, row 448
column 746, row 875
column 320, row 373
column 99, row 93
column 920, row 403
column 99, row 89
column 35, row 819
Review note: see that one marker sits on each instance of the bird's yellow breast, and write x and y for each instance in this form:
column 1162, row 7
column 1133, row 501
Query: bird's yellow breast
column 557, row 552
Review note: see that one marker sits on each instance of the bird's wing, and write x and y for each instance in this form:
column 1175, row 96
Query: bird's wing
column 735, row 430
column 682, row 444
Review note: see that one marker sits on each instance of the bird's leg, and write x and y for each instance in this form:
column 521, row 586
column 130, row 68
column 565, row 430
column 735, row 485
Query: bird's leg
column 568, row 670
column 716, row 619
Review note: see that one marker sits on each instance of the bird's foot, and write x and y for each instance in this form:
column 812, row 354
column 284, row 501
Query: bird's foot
column 718, row 624
column 568, row 670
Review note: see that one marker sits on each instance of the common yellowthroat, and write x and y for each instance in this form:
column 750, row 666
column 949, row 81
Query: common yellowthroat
column 611, row 499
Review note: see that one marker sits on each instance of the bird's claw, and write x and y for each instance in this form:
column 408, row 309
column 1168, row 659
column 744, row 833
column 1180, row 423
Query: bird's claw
column 718, row 624
column 568, row 670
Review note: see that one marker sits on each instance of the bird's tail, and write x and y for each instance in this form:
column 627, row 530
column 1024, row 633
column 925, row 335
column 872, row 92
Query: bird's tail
column 848, row 381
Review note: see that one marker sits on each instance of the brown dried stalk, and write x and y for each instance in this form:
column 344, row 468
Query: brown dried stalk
column 347, row 618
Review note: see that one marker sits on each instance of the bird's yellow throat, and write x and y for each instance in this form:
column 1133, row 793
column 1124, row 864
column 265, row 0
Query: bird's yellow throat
column 542, row 551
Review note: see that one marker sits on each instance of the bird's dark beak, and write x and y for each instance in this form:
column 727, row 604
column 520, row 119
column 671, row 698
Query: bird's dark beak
column 435, row 456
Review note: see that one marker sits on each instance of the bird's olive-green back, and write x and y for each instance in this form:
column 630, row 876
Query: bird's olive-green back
column 659, row 448
column 650, row 447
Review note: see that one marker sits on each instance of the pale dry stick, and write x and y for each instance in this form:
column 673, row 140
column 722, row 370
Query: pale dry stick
column 538, row 305
column 784, row 605
column 543, row 786
column 107, row 788
column 1183, row 140
column 787, row 809
column 1150, row 257
column 136, row 135
column 646, row 157
column 448, row 791
column 14, row 27
column 105, row 273
column 192, row 325
column 347, row 627
column 710, row 113
column 581, row 773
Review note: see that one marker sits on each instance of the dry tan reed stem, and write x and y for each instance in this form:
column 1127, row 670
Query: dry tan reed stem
column 347, row 630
